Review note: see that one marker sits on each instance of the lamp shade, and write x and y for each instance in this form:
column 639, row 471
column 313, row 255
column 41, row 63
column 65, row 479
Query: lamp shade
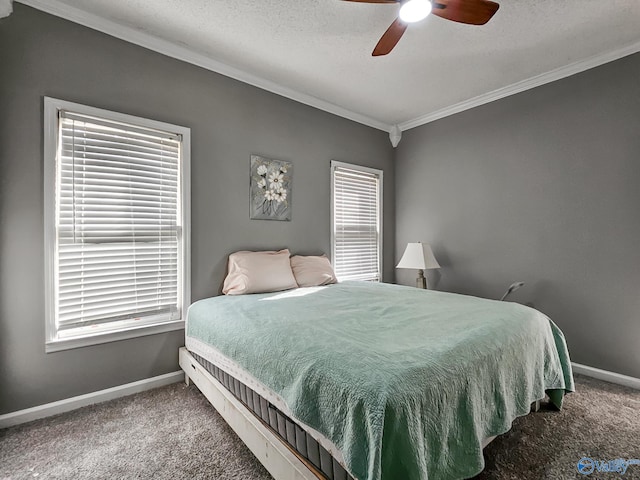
column 418, row 255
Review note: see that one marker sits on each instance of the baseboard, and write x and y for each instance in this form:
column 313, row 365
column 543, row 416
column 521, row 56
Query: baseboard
column 605, row 375
column 61, row 406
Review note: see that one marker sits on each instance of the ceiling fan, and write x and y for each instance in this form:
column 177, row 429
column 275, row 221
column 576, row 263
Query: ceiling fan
column 472, row 12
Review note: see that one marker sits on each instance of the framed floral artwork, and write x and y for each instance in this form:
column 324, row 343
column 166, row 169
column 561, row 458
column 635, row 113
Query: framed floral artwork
column 270, row 194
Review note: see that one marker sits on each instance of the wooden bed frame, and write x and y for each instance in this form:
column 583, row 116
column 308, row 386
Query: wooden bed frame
column 280, row 459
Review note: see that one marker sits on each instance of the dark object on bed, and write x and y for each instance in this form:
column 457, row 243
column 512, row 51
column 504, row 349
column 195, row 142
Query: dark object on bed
column 512, row 288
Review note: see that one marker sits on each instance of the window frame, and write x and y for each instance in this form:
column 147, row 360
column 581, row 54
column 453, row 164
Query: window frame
column 337, row 164
column 51, row 124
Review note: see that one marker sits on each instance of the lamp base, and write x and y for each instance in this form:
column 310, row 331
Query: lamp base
column 421, row 281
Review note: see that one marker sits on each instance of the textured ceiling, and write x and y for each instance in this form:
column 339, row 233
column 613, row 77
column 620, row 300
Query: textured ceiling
column 322, row 48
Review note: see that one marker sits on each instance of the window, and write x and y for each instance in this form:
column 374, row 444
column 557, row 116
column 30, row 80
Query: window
column 116, row 225
column 356, row 222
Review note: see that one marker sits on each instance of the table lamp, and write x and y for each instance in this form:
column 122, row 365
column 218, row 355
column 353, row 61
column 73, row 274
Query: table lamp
column 419, row 256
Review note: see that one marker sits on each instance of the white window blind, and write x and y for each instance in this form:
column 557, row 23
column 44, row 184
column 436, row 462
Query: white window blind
column 356, row 222
column 118, row 259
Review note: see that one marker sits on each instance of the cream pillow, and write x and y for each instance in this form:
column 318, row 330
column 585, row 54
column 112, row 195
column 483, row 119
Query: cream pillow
column 312, row 271
column 259, row 272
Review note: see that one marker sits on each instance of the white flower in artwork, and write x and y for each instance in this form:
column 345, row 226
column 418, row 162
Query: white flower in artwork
column 270, row 182
column 275, row 180
column 280, row 195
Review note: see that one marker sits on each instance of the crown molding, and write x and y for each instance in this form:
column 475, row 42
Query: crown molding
column 524, row 85
column 152, row 42
column 6, row 8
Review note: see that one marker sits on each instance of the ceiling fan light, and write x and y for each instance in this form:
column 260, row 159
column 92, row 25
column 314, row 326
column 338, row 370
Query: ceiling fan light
column 415, row 10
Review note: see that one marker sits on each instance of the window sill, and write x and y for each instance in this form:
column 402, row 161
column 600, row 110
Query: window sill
column 106, row 337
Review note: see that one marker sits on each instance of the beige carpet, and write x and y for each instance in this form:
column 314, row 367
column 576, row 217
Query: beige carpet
column 173, row 433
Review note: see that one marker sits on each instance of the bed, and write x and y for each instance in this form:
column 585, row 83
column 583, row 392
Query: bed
column 388, row 381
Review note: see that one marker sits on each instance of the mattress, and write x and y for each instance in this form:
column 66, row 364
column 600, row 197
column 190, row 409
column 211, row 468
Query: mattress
column 298, row 438
column 396, row 382
column 209, row 357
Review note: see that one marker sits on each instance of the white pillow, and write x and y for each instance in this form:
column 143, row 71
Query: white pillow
column 259, row 272
column 312, row 271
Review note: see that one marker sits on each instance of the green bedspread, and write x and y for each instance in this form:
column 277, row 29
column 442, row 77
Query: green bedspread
column 405, row 382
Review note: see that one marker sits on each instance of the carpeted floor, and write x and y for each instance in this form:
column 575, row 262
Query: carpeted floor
column 600, row 420
column 173, row 433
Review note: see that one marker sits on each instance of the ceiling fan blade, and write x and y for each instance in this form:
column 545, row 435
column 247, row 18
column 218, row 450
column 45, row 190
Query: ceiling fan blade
column 390, row 38
column 372, row 1
column 472, row 12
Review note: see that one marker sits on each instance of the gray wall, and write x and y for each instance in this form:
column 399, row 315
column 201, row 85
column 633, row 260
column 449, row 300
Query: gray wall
column 542, row 187
column 44, row 55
